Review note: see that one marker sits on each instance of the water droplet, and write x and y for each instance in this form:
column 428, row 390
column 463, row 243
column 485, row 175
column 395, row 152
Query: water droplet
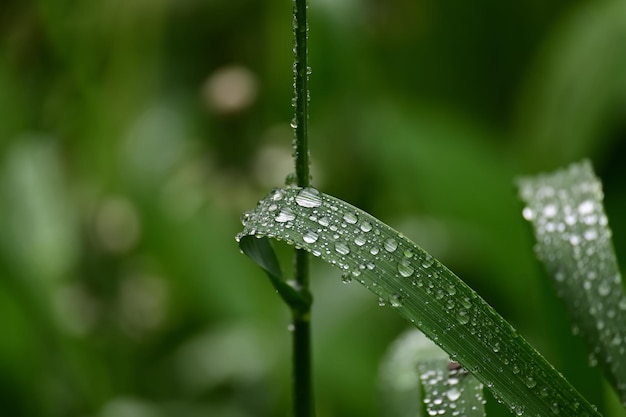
column 405, row 269
column 346, row 277
column 604, row 289
column 309, row 197
column 518, row 410
column 284, row 216
column 310, row 237
column 462, row 317
column 428, row 261
column 366, row 226
column 590, row 234
column 396, row 300
column 453, row 394
column 277, row 194
column 390, row 245
column 381, row 302
column 374, row 250
column 245, row 217
column 528, row 213
column 342, row 248
column 350, row 218
column 360, row 240
column 586, row 207
column 550, row 210
column 324, row 221
column 530, row 382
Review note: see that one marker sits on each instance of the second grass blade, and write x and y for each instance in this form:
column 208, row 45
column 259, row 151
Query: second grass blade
column 574, row 243
column 421, row 289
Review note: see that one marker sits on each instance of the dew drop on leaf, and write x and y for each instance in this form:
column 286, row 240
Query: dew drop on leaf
column 453, row 394
column 277, row 194
column 284, row 216
column 350, row 218
column 390, row 245
column 405, row 269
column 309, row 197
column 342, row 248
column 396, row 300
column 366, row 226
column 310, row 237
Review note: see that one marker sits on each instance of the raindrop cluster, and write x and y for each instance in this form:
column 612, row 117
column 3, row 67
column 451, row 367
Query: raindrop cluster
column 449, row 390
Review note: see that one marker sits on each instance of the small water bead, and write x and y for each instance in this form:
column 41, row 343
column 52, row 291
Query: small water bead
column 374, row 250
column 284, row 216
column 528, row 213
column 370, row 265
column 408, row 253
column 530, row 382
column 360, row 240
column 586, row 207
column 324, row 221
column 245, row 218
column 277, row 194
column 574, row 240
column 366, row 226
column 405, row 269
column 396, row 300
column 390, row 245
column 350, row 218
column 310, row 237
column 462, row 317
column 550, row 210
column 272, row 207
column 346, row 277
column 342, row 248
column 590, row 234
column 381, row 302
column 428, row 261
column 604, row 289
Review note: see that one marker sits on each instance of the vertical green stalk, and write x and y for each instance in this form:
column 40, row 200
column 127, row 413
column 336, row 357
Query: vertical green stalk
column 303, row 390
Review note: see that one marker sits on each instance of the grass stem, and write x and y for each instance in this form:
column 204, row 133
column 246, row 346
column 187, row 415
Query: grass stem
column 302, row 375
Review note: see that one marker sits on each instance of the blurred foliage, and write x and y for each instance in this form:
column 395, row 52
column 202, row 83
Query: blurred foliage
column 133, row 134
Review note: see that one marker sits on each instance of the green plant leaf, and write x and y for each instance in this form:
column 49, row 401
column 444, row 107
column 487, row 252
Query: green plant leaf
column 574, row 244
column 261, row 252
column 421, row 289
column 414, row 364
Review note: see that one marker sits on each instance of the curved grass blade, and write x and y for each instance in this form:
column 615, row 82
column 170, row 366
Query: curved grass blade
column 424, row 291
column 574, row 244
column 261, row 252
column 414, row 364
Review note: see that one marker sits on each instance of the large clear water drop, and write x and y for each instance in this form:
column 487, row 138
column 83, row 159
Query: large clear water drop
column 284, row 216
column 309, row 197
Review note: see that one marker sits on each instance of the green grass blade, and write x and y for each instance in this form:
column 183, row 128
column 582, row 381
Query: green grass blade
column 414, row 364
column 422, row 290
column 574, row 244
column 261, row 252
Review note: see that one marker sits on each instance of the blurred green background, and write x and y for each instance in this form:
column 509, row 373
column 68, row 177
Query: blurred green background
column 133, row 134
